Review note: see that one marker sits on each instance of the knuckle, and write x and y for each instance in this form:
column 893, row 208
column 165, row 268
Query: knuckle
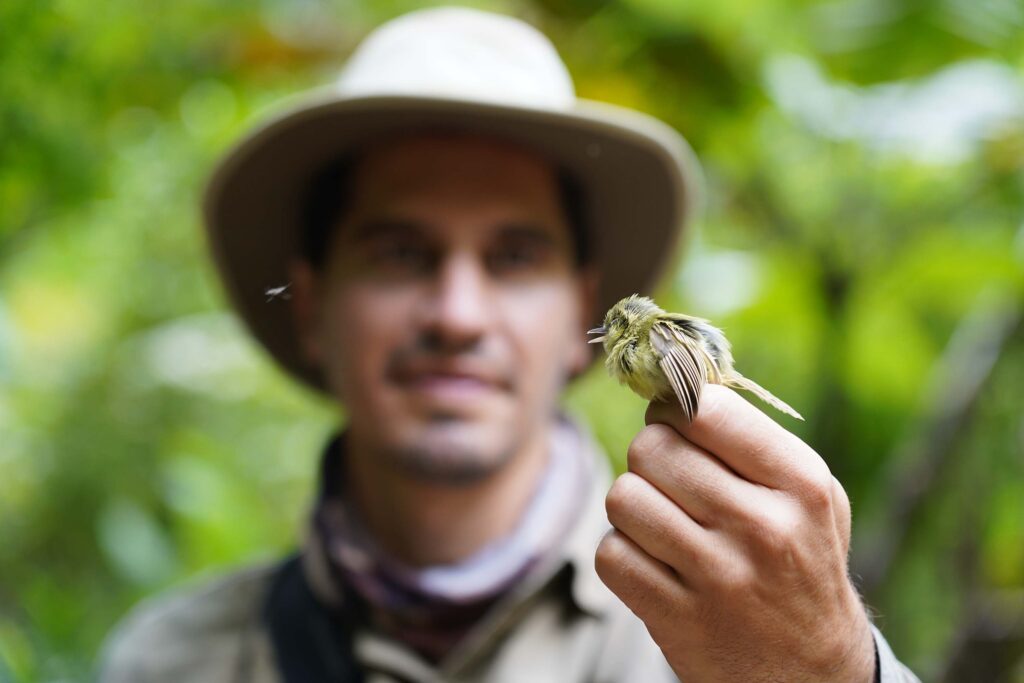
column 645, row 444
column 610, row 555
column 842, row 514
column 838, row 495
column 635, row 588
column 777, row 534
column 733, row 578
column 840, row 501
column 620, row 496
column 747, row 512
column 714, row 405
column 817, row 489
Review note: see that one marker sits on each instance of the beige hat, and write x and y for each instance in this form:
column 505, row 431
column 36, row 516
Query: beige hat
column 454, row 68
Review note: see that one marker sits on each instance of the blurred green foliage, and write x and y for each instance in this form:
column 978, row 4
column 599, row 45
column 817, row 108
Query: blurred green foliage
column 862, row 245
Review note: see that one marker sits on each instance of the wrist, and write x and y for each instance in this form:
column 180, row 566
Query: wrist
column 859, row 663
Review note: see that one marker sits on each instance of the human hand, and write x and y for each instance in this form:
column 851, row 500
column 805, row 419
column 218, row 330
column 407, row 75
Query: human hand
column 730, row 543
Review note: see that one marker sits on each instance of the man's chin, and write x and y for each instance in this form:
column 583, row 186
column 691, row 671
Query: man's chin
column 454, row 408
column 453, row 451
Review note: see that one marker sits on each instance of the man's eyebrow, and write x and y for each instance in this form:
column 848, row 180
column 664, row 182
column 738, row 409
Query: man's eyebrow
column 537, row 232
column 375, row 228
column 384, row 227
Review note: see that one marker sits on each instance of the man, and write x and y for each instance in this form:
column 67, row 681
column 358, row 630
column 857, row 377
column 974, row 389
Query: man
column 450, row 221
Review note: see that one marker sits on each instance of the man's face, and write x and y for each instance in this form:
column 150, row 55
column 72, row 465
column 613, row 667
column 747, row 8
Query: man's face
column 450, row 311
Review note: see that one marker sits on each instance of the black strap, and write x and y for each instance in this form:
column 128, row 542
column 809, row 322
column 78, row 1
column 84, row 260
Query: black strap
column 311, row 642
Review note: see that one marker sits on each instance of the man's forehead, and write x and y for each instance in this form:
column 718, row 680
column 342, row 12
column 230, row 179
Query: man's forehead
column 432, row 161
column 455, row 185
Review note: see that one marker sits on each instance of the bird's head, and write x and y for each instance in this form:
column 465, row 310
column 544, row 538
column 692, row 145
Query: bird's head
column 626, row 320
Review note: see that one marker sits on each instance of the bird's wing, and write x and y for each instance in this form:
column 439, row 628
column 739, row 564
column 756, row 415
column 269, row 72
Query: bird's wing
column 677, row 325
column 682, row 361
column 714, row 342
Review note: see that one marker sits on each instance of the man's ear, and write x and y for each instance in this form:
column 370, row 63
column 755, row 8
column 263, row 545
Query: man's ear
column 581, row 353
column 305, row 307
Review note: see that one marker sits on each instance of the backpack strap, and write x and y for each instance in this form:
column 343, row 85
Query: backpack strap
column 311, row 642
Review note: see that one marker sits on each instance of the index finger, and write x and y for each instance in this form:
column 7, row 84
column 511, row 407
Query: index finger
column 744, row 438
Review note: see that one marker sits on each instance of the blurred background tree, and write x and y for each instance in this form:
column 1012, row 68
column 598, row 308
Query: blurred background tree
column 863, row 245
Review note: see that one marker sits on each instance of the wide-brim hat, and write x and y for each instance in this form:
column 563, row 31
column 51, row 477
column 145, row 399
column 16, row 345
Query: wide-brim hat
column 450, row 68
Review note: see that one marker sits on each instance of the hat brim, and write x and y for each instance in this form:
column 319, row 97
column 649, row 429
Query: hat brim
column 640, row 180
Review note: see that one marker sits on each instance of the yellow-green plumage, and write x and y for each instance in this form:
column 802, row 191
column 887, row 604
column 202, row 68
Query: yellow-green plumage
column 658, row 354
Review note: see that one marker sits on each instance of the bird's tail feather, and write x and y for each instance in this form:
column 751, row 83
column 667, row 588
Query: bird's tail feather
column 738, row 381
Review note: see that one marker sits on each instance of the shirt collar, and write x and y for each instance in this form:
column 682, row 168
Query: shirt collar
column 575, row 554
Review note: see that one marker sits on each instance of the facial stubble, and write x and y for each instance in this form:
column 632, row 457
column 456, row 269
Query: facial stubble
column 449, row 456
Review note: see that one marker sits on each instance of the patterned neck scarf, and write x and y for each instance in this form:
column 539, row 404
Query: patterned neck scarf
column 431, row 608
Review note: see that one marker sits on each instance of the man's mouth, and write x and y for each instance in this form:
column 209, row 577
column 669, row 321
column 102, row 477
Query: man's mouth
column 449, row 381
column 449, row 387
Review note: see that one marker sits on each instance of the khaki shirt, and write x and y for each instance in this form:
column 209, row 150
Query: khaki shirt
column 559, row 624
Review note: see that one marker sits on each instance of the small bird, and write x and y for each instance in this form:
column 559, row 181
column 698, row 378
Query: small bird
column 657, row 353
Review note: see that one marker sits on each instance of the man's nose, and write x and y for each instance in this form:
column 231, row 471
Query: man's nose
column 458, row 307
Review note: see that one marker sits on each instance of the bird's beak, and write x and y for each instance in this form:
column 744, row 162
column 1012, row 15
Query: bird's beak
column 598, row 330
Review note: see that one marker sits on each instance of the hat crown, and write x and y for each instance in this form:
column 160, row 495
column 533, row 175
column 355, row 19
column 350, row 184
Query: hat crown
column 463, row 54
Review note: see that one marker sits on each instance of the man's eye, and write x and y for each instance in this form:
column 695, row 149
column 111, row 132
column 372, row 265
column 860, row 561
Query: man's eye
column 515, row 257
column 402, row 256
